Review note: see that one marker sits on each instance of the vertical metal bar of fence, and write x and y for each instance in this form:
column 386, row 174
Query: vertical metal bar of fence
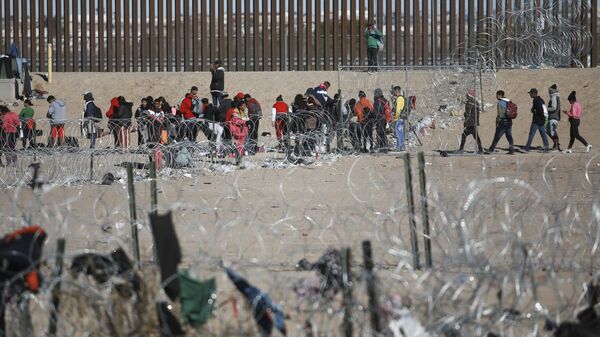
column 410, row 201
column 407, row 32
column 57, row 274
column 231, row 52
column 425, row 211
column 152, row 34
column 327, row 36
column 291, row 36
column 238, row 35
column 187, row 37
column 118, row 56
column 300, row 39
column 256, row 34
column 594, row 32
column 127, row 35
column 443, row 30
column 336, row 35
column 388, row 32
column 4, row 18
column 222, row 39
column 353, row 32
column 398, row 33
column 203, row 35
column 161, row 46
column 59, row 33
column 195, row 37
column 178, row 37
column 417, row 32
column 462, row 38
column 93, row 35
column 347, row 288
column 371, row 288
column 68, row 50
column 42, row 24
column 273, row 28
column 309, row 35
column 110, row 24
column 361, row 31
column 453, row 25
column 135, row 30
column 213, row 19
column 247, row 36
column 7, row 30
column 33, row 36
column 265, row 35
column 425, row 22
column 133, row 216
column 99, row 65
column 434, row 33
column 318, row 36
column 344, row 36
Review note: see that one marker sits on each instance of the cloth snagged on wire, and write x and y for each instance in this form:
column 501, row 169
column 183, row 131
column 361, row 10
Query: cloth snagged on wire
column 168, row 252
column 197, row 298
column 263, row 308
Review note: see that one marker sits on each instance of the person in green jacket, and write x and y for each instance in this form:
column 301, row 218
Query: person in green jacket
column 27, row 124
column 374, row 38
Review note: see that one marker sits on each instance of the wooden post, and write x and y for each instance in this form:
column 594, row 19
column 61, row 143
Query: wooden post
column 425, row 210
column 411, row 211
column 49, row 62
column 53, row 324
column 347, row 287
column 133, row 216
column 371, row 289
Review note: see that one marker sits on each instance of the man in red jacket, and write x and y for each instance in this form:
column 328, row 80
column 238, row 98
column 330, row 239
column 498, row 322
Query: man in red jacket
column 188, row 106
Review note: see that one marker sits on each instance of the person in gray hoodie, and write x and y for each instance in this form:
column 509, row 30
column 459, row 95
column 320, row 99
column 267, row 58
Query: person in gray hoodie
column 57, row 113
column 553, row 116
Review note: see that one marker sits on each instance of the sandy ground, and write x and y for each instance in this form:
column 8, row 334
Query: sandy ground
column 263, row 220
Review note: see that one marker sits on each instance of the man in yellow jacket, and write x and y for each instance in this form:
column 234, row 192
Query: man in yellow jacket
column 400, row 116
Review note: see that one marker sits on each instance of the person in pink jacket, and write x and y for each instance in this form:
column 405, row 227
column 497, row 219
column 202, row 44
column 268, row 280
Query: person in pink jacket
column 10, row 130
column 574, row 120
column 239, row 129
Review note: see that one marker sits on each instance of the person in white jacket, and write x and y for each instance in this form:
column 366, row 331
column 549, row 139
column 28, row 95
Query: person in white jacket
column 57, row 113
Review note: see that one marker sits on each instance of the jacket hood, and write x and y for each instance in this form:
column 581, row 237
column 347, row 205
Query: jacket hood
column 59, row 102
column 554, row 92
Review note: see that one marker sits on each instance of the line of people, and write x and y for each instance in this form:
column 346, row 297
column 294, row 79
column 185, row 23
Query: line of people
column 545, row 121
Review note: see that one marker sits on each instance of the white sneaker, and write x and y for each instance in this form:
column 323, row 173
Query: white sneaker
column 567, row 151
column 588, row 148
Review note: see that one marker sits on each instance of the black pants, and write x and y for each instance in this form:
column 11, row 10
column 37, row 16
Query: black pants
column 574, row 133
column 367, row 135
column 470, row 130
column 372, row 57
column 27, row 137
column 355, row 135
column 382, row 141
column 253, row 124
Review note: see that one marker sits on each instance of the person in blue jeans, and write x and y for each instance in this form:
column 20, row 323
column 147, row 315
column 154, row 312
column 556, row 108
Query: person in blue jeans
column 538, row 120
column 503, row 124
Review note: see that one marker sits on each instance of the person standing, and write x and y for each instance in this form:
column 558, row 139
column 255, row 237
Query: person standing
column 503, row 124
column 190, row 109
column 279, row 120
column 91, row 116
column 217, row 83
column 374, row 40
column 125, row 115
column 27, row 124
column 113, row 119
column 538, row 120
column 10, row 129
column 382, row 116
column 399, row 117
column 363, row 110
column 254, row 115
column 57, row 113
column 553, row 116
column 574, row 119
column 471, row 123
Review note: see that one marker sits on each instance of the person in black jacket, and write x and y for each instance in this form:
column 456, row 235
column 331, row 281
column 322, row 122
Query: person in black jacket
column 472, row 110
column 125, row 115
column 91, row 116
column 217, row 83
column 538, row 120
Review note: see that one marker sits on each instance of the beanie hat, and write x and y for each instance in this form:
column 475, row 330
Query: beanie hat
column 279, row 98
column 362, row 94
column 378, row 92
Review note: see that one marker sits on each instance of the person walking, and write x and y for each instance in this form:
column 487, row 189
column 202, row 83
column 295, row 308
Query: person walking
column 503, row 124
column 553, row 116
column 374, row 40
column 27, row 124
column 574, row 119
column 538, row 120
column 471, row 123
column 57, row 113
column 217, row 83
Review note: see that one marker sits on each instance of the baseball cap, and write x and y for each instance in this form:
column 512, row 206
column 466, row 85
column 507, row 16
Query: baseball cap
column 532, row 91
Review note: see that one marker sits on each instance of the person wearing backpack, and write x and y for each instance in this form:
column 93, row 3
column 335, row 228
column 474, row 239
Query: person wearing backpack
column 92, row 115
column 471, row 123
column 503, row 122
column 553, row 116
column 382, row 115
column 538, row 120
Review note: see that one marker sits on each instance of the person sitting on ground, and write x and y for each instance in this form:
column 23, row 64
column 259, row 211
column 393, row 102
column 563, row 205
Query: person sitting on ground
column 57, row 113
column 10, row 130
column 574, row 119
column 27, row 124
column 238, row 129
column 190, row 110
column 503, row 123
column 212, row 129
column 471, row 123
